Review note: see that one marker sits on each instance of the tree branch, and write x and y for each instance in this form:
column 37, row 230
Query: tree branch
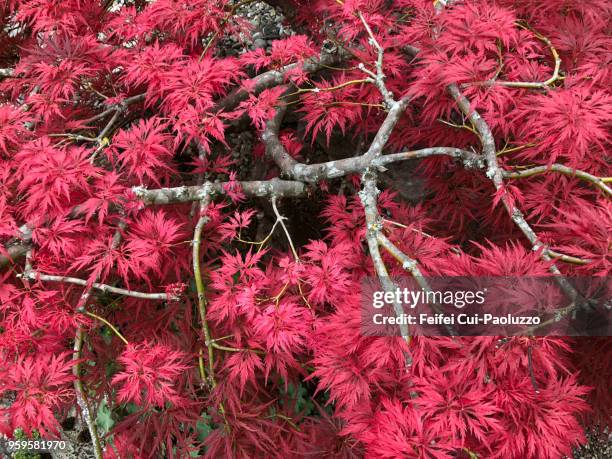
column 263, row 188
column 463, row 104
column 530, row 84
column 281, row 220
column 197, row 273
column 117, row 107
column 369, row 198
column 561, row 169
column 79, row 341
column 495, row 174
column 202, row 301
column 469, row 159
column 378, row 78
column 15, row 251
column 81, row 394
column 273, row 78
column 34, row 275
column 384, row 132
column 17, row 248
column 407, row 263
column 274, row 147
column 313, row 173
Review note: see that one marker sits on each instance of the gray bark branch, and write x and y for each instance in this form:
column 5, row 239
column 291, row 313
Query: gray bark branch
column 262, row 188
column 36, row 276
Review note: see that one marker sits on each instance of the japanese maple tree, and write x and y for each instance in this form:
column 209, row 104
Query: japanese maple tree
column 181, row 293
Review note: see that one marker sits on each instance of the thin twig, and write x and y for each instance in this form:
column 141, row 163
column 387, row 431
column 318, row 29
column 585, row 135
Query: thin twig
column 567, row 258
column 116, row 108
column 405, row 261
column 34, row 275
column 531, row 373
column 79, row 340
column 332, row 88
column 281, row 219
column 411, row 265
column 235, row 349
column 530, row 84
column 81, row 394
column 109, row 325
column 378, row 78
column 561, row 169
column 202, row 302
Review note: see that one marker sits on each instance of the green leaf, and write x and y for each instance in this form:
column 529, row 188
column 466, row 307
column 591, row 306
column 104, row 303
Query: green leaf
column 204, row 427
column 105, row 418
